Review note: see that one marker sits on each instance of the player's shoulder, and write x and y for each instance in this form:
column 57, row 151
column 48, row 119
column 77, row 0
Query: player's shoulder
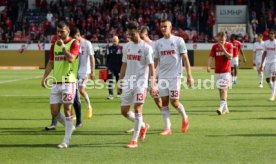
column 228, row 44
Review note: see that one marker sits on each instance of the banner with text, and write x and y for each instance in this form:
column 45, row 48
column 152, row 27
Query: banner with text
column 231, row 14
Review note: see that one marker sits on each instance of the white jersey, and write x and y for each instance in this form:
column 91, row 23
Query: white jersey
column 86, row 52
column 169, row 52
column 137, row 57
column 270, row 48
column 258, row 48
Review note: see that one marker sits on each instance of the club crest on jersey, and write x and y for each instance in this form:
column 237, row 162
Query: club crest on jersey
column 139, row 51
column 172, row 44
column 128, row 50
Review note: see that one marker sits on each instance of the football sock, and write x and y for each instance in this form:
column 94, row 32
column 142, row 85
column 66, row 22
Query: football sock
column 137, row 126
column 69, row 124
column 87, row 101
column 273, row 89
column 166, row 117
column 131, row 116
column 181, row 111
column 261, row 76
column 61, row 118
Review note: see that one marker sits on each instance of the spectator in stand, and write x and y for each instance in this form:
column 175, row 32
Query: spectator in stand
column 265, row 34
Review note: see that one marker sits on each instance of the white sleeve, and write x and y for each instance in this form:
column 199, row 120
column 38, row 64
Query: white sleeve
column 254, row 47
column 155, row 50
column 124, row 59
column 148, row 55
column 182, row 46
column 90, row 50
column 264, row 46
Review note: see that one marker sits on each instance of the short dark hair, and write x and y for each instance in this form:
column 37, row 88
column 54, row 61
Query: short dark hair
column 233, row 36
column 133, row 25
column 165, row 20
column 74, row 31
column 143, row 29
column 62, row 24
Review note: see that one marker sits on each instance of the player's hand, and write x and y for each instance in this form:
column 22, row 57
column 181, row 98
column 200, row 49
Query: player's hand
column 92, row 75
column 59, row 42
column 209, row 69
column 261, row 69
column 119, row 87
column 43, row 82
column 153, row 91
column 190, row 81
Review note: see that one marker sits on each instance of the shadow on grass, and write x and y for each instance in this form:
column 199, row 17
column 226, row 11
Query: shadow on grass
column 259, row 118
column 24, row 119
column 98, row 145
column 245, row 135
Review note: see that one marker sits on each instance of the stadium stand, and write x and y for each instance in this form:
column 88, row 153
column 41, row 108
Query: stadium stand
column 193, row 19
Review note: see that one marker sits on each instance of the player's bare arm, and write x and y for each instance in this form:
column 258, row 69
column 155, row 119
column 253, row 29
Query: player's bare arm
column 156, row 62
column 210, row 60
column 48, row 70
column 187, row 68
column 227, row 54
column 153, row 89
column 70, row 57
column 92, row 63
column 263, row 59
column 242, row 53
column 122, row 75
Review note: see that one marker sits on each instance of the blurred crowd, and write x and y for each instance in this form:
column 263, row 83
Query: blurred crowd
column 99, row 21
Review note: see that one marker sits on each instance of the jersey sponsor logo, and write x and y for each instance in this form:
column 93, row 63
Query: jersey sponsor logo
column 59, row 53
column 133, row 57
column 59, row 58
column 168, row 52
column 271, row 48
column 220, row 53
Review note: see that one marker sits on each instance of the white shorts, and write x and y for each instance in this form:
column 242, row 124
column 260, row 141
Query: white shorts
column 235, row 61
column 270, row 70
column 82, row 79
column 63, row 93
column 169, row 87
column 133, row 96
column 223, row 80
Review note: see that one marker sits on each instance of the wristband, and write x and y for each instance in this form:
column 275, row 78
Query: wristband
column 62, row 46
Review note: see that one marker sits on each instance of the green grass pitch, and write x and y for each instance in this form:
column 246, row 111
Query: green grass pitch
column 246, row 135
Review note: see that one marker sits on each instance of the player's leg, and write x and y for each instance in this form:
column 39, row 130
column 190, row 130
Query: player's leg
column 68, row 95
column 222, row 83
column 163, row 90
column 140, row 128
column 174, row 89
column 84, row 94
column 273, row 79
column 117, row 76
column 268, row 75
column 110, row 84
column 77, row 107
column 260, row 74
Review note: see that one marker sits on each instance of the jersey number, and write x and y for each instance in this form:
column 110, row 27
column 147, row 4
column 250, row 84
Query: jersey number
column 174, row 94
column 140, row 97
column 67, row 97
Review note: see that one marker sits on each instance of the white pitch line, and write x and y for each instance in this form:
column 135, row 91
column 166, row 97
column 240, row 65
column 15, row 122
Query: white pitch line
column 10, row 81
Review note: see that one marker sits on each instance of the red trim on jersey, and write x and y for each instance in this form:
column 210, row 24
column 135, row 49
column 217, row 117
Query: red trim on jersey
column 222, row 63
column 74, row 49
column 236, row 47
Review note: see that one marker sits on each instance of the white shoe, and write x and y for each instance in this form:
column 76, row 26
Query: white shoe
column 63, row 145
column 271, row 98
column 261, row 86
column 110, row 97
column 118, row 96
column 219, row 110
column 130, row 130
column 225, row 109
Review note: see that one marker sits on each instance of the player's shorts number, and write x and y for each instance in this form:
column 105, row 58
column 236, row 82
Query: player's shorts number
column 67, row 97
column 174, row 93
column 140, row 97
